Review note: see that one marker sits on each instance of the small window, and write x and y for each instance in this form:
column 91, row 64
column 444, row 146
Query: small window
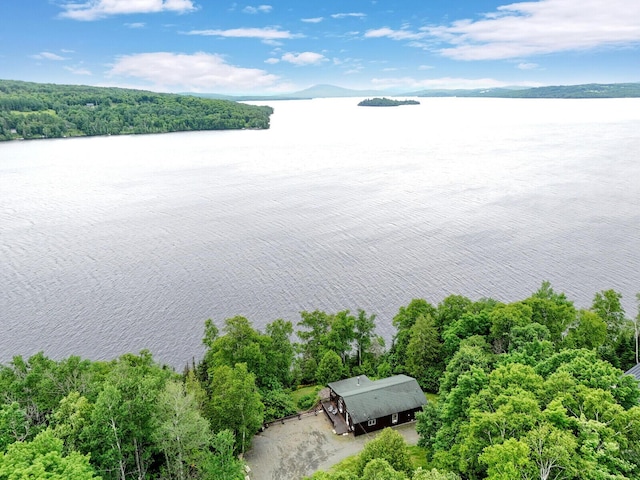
column 394, row 418
column 371, row 422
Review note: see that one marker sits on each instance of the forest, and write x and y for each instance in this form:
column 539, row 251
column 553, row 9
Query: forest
column 386, row 102
column 36, row 110
column 533, row 389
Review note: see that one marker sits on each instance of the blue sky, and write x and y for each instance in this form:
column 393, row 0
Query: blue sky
column 284, row 46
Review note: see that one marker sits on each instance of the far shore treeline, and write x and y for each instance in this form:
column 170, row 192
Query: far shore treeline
column 38, row 110
column 522, row 390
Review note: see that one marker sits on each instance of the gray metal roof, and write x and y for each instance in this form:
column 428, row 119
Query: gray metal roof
column 635, row 371
column 366, row 399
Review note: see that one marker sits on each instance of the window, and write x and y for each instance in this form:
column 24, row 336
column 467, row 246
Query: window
column 394, row 418
column 371, row 422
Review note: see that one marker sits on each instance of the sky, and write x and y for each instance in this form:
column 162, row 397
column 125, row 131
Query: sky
column 227, row 47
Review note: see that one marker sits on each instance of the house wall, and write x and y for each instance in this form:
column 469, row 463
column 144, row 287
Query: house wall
column 386, row 421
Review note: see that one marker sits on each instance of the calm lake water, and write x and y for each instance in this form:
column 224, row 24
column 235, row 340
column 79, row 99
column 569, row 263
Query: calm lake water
column 116, row 244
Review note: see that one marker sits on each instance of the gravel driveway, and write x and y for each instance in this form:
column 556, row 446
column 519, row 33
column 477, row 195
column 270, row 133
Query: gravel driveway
column 298, row 448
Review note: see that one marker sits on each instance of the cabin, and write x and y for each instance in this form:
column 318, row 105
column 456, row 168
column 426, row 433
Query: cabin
column 361, row 405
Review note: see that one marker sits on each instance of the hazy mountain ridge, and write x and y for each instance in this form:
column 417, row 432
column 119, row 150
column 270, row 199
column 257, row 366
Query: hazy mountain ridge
column 589, row 90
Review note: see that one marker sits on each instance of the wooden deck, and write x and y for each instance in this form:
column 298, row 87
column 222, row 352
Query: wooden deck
column 339, row 424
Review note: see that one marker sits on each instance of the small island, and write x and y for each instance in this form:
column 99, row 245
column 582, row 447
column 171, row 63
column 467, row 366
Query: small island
column 386, row 102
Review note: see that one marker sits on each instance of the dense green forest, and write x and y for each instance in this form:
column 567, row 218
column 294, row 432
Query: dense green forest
column 36, row 110
column 386, row 102
column 529, row 389
column 589, row 90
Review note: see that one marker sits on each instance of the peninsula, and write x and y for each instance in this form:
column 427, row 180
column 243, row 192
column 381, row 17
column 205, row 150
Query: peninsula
column 42, row 110
column 386, row 102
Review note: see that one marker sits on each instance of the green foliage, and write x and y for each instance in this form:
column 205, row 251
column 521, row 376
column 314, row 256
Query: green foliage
column 380, row 469
column 43, row 458
column 307, row 401
column 181, row 433
column 14, row 426
column 330, row 368
column 552, row 310
column 267, row 356
column 433, row 474
column 589, row 90
column 503, row 319
column 277, row 404
column 607, row 305
column 131, row 417
column 35, row 110
column 386, row 102
column 234, row 403
column 507, row 460
column 424, row 354
column 403, row 321
column 279, row 352
column 71, row 419
column 316, row 326
column 123, row 420
column 451, row 309
column 363, row 334
column 223, row 464
column 556, row 420
column 390, row 446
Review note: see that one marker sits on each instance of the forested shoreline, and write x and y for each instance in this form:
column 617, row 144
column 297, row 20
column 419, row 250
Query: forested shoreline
column 529, row 389
column 37, row 110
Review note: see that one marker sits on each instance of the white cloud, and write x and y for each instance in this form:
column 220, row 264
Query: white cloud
column 304, row 58
column 394, row 34
column 313, row 20
column 425, row 67
column 78, row 70
column 443, row 83
column 540, row 27
column 48, row 56
column 268, row 33
column 258, row 9
column 523, row 29
column 346, row 15
column 527, row 66
column 97, row 9
column 199, row 72
column 135, row 25
column 272, row 61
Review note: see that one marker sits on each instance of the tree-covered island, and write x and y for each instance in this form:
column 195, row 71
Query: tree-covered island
column 532, row 389
column 36, row 110
column 386, row 102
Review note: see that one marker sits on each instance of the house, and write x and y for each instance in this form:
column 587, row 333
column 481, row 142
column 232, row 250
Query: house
column 361, row 405
column 635, row 371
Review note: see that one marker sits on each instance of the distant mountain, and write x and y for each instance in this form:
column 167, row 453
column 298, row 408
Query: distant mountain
column 331, row 91
column 591, row 90
column 316, row 91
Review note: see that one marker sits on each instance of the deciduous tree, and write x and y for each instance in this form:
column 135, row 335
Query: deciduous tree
column 234, row 403
column 42, row 458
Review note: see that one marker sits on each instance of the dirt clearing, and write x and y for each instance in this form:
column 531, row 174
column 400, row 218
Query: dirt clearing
column 298, row 448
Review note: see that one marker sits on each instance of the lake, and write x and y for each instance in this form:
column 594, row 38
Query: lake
column 117, row 244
